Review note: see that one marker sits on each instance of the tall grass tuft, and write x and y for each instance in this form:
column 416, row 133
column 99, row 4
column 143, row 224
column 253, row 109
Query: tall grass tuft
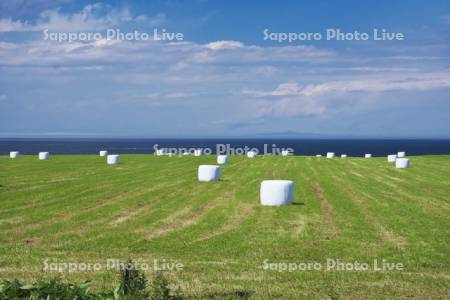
column 133, row 284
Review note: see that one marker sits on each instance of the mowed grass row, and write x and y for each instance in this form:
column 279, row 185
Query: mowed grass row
column 75, row 208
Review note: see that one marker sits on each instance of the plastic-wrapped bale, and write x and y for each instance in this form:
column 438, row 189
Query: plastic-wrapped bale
column 401, row 154
column 276, row 192
column 330, row 154
column 402, row 163
column 14, row 154
column 286, row 153
column 318, row 155
column 222, row 159
column 198, row 152
column 208, row 173
column 43, row 155
column 103, row 153
column 343, row 155
column 185, row 153
column 159, row 152
column 251, row 154
column 113, row 159
column 391, row 158
column 368, row 155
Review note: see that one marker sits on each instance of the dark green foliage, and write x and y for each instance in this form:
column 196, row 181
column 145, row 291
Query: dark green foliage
column 133, row 284
column 54, row 289
column 160, row 289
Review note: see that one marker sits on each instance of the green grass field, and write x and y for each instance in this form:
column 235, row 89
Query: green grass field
column 75, row 208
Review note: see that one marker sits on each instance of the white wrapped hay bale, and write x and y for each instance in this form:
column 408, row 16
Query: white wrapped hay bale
column 330, row 155
column 222, row 159
column 14, row 154
column 103, row 153
column 343, row 155
column 318, row 155
column 198, row 152
column 43, row 155
column 251, row 154
column 401, row 154
column 185, row 153
column 276, row 192
column 286, row 153
column 368, row 155
column 391, row 158
column 113, row 159
column 402, row 163
column 208, row 173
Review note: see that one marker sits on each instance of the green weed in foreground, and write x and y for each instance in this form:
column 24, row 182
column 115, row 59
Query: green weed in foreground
column 132, row 286
column 75, row 208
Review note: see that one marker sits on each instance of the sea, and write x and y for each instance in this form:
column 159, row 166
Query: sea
column 351, row 147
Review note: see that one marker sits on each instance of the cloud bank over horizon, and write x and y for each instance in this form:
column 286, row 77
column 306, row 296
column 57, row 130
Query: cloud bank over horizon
column 223, row 85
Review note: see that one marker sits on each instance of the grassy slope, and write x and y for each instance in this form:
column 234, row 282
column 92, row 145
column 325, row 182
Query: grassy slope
column 75, row 208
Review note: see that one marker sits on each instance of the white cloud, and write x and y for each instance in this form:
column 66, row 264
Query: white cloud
column 283, row 89
column 212, row 53
column 222, row 45
column 411, row 81
column 290, row 99
column 175, row 56
column 92, row 17
column 171, row 95
column 180, row 95
column 7, row 24
column 228, row 79
column 390, row 83
column 286, row 89
column 292, row 106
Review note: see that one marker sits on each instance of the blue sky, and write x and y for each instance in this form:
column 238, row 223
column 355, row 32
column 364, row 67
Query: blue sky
column 224, row 78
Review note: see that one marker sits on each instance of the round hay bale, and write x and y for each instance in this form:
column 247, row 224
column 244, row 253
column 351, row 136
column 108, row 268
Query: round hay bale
column 330, row 154
column 391, row 158
column 401, row 154
column 276, row 192
column 222, row 159
column 343, row 155
column 198, row 152
column 43, row 155
column 251, row 154
column 286, row 153
column 113, row 159
column 103, row 153
column 402, row 163
column 368, row 155
column 14, row 154
column 208, row 173
column 318, row 155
